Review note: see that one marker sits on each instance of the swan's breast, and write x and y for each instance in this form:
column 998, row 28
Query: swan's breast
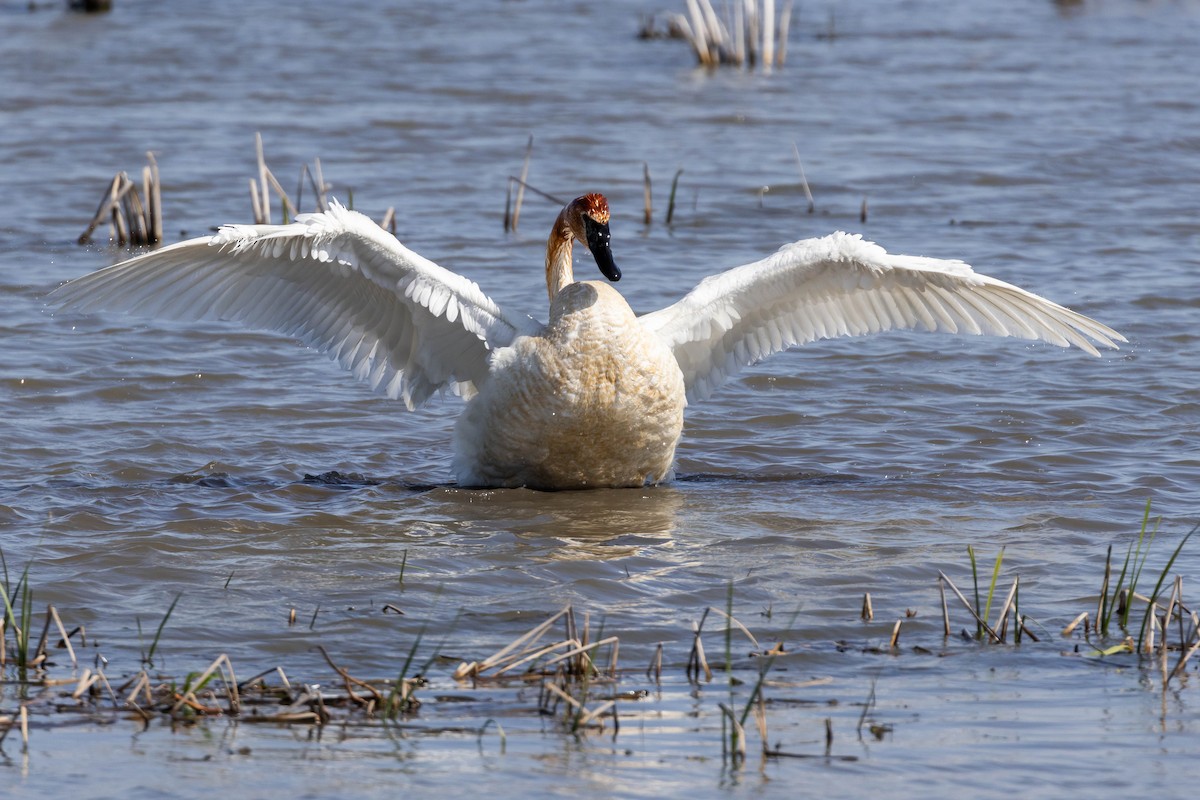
column 595, row 401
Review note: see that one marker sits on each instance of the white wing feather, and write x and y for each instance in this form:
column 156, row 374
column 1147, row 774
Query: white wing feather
column 335, row 279
column 840, row 285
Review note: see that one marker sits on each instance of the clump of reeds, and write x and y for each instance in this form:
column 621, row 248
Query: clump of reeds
column 134, row 218
column 1116, row 629
column 265, row 183
column 997, row 631
column 1114, row 612
column 748, row 35
column 567, row 669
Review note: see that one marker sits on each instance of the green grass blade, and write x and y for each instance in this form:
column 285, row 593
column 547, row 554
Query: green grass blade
column 987, row 610
column 161, row 625
column 1105, row 611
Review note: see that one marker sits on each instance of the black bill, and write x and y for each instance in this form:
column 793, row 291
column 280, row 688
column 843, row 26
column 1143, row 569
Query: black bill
column 598, row 243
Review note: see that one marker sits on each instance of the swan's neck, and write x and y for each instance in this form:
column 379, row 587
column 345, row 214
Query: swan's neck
column 558, row 256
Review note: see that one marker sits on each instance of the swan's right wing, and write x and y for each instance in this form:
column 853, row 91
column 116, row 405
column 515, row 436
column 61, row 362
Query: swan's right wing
column 840, row 285
column 335, row 279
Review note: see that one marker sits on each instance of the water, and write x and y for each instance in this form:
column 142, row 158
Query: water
column 1051, row 145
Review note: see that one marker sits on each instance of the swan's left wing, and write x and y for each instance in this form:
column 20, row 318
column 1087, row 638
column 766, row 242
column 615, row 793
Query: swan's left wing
column 840, row 285
column 399, row 322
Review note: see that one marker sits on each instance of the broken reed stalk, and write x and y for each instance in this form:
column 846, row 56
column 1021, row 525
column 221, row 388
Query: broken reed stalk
column 1187, row 652
column 347, row 679
column 153, row 189
column 697, row 663
column 117, row 227
column 1073, row 624
column 803, row 180
column 945, row 610
column 1002, row 615
column 510, row 221
column 255, row 203
column 388, row 223
column 655, row 668
column 289, row 210
column 966, row 604
column 736, row 624
column 760, row 719
column 516, row 215
column 52, row 612
column 895, row 635
column 262, row 211
column 737, row 736
column 868, row 613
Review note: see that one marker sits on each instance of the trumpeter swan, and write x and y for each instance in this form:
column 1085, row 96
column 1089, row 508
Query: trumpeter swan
column 593, row 398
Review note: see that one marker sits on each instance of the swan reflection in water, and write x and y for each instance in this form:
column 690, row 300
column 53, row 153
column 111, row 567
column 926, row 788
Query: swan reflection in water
column 595, row 396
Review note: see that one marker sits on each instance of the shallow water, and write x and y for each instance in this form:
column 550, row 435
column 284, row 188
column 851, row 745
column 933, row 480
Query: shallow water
column 1050, row 145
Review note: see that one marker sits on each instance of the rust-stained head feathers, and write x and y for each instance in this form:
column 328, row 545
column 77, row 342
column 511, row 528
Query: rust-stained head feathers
column 595, row 206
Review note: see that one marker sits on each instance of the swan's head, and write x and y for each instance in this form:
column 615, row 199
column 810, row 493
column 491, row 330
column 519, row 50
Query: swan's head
column 588, row 218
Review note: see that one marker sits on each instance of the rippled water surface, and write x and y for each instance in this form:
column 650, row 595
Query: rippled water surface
column 1052, row 145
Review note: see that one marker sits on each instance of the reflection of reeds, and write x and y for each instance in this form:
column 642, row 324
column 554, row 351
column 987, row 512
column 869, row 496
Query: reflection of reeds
column 748, row 35
column 88, row 6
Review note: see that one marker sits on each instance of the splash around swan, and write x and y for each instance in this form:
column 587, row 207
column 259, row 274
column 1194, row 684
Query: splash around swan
column 595, row 396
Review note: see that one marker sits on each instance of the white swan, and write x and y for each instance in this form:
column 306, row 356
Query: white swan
column 596, row 396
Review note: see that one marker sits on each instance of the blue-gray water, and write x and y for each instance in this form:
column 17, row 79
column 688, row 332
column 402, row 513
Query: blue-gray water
column 1052, row 145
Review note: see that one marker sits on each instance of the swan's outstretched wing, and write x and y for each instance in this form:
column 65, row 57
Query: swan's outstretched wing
column 399, row 322
column 840, row 285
